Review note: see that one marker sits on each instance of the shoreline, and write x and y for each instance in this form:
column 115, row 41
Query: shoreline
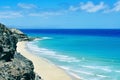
column 42, row 67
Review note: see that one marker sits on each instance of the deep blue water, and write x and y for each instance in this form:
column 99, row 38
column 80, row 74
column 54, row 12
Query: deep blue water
column 91, row 54
column 94, row 32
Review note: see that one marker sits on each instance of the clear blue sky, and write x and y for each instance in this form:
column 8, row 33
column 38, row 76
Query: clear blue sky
column 60, row 13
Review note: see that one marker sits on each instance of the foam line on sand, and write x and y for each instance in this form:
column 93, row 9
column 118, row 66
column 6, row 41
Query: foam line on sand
column 42, row 67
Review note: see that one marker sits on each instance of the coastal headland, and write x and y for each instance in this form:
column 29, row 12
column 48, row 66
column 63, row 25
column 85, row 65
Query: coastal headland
column 18, row 63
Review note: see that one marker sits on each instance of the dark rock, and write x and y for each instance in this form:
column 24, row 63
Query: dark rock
column 19, row 68
column 7, row 43
column 19, row 35
column 14, row 66
column 37, row 77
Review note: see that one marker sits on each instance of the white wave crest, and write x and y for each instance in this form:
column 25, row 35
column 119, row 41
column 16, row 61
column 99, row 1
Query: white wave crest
column 104, row 68
column 102, row 76
column 118, row 71
column 73, row 74
column 51, row 54
column 43, row 38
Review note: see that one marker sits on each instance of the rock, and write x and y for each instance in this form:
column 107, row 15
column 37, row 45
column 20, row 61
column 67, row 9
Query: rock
column 19, row 35
column 19, row 68
column 14, row 66
column 7, row 43
column 16, row 31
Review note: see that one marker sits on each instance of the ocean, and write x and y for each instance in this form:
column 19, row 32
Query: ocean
column 88, row 54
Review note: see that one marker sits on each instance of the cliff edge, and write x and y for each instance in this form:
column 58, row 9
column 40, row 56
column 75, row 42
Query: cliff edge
column 13, row 66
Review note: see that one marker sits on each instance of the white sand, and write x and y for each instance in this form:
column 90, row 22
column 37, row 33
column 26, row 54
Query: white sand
column 42, row 67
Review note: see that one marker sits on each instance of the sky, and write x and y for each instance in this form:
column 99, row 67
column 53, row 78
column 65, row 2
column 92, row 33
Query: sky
column 82, row 14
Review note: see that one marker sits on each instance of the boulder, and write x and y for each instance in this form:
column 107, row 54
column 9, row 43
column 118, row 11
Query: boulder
column 18, row 69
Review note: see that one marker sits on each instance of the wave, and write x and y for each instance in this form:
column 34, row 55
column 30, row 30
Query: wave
column 85, row 70
column 86, row 73
column 104, row 68
column 37, row 39
column 65, row 67
column 70, row 71
column 43, row 38
column 76, row 76
column 50, row 53
column 118, row 71
column 102, row 76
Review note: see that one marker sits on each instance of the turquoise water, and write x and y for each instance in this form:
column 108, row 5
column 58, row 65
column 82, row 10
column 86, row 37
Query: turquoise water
column 88, row 57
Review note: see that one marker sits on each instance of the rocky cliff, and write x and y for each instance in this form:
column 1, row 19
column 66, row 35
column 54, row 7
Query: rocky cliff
column 19, row 35
column 7, row 44
column 14, row 66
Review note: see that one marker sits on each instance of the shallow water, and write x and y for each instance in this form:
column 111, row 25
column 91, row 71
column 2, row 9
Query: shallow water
column 86, row 56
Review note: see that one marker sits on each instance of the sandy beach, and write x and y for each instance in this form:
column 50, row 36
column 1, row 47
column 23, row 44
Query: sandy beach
column 42, row 67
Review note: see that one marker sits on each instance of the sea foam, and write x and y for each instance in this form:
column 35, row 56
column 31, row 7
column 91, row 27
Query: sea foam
column 91, row 70
column 53, row 54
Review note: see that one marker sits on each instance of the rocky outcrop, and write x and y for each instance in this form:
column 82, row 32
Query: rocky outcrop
column 19, row 35
column 19, row 68
column 7, row 43
column 14, row 66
